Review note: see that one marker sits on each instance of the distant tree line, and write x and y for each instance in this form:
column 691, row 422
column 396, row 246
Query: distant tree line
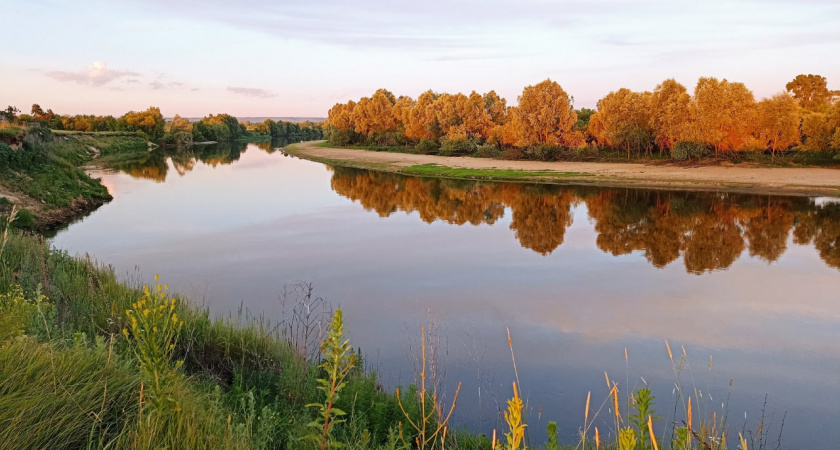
column 152, row 125
column 720, row 116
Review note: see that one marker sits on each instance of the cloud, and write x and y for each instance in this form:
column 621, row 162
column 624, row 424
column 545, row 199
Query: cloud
column 97, row 74
column 158, row 83
column 251, row 92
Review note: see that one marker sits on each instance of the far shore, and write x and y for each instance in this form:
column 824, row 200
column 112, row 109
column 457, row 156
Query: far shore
column 767, row 180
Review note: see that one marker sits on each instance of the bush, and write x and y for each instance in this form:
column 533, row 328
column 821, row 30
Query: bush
column 543, row 153
column 585, row 152
column 427, row 146
column 488, row 151
column 24, row 220
column 457, row 147
column 684, row 150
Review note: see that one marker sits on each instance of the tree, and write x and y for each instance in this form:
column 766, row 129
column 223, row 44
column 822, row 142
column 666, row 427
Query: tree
column 670, row 112
column 583, row 117
column 375, row 114
column 778, row 122
column 811, row 91
column 150, row 122
column 10, row 114
column 340, row 116
column 544, row 115
column 496, row 107
column 421, row 120
column 623, row 120
column 724, row 113
column 37, row 112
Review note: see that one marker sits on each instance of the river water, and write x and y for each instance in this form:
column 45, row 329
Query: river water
column 746, row 284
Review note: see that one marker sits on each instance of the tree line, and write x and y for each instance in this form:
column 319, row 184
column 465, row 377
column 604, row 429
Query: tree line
column 154, row 127
column 718, row 116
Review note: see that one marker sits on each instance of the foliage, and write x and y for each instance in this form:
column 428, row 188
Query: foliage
column 488, row 151
column 149, row 122
column 338, row 362
column 642, row 403
column 627, row 439
column 153, row 328
column 427, row 146
column 513, row 418
column 456, row 172
column 811, row 91
column 10, row 114
column 683, row 150
column 720, row 114
column 543, row 153
column 457, row 147
column 43, row 175
column 17, row 312
column 551, row 430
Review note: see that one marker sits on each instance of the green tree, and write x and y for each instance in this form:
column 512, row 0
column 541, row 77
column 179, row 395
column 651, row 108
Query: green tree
column 10, row 114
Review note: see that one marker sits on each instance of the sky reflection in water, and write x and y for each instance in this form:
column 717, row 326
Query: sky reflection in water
column 578, row 274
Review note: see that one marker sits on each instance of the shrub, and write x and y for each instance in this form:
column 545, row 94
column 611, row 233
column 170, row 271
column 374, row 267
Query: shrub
column 543, row 153
column 488, row 151
column 427, row 146
column 457, row 147
column 685, row 149
column 680, row 151
column 25, row 220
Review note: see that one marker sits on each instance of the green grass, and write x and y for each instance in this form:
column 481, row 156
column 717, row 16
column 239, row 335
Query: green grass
column 47, row 167
column 47, row 176
column 96, row 133
column 10, row 132
column 435, row 170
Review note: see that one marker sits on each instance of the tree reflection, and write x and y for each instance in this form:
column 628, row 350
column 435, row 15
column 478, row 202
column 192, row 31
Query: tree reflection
column 709, row 230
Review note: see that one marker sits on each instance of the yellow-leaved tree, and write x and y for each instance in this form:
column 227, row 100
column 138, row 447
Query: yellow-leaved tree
column 778, row 122
column 724, row 113
column 670, row 112
column 544, row 115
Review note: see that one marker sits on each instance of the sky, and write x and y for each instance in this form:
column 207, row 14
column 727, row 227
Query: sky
column 281, row 58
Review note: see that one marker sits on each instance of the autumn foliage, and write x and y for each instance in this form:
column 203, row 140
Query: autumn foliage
column 718, row 117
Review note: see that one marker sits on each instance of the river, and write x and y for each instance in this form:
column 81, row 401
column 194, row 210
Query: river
column 747, row 285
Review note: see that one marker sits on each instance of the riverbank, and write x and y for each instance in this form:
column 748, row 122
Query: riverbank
column 43, row 176
column 796, row 181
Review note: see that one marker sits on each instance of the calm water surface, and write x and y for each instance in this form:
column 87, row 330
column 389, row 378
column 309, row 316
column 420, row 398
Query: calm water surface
column 578, row 275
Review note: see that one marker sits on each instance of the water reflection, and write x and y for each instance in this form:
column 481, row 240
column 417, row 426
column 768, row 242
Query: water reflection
column 154, row 165
column 709, row 230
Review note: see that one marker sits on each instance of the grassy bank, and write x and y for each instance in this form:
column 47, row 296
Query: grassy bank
column 436, row 170
column 42, row 173
column 75, row 374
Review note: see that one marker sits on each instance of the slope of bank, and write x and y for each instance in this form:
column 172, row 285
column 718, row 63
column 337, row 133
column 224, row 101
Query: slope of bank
column 42, row 173
column 801, row 181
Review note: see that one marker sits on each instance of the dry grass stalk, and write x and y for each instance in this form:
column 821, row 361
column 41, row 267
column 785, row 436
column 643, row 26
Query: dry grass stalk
column 652, row 435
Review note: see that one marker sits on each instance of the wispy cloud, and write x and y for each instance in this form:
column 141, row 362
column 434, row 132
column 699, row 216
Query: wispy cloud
column 159, row 83
column 251, row 92
column 97, row 74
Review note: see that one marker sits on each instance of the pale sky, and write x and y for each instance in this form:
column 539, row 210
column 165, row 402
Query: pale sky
column 281, row 58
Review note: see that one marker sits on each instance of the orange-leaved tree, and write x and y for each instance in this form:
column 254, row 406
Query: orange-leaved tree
column 544, row 115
